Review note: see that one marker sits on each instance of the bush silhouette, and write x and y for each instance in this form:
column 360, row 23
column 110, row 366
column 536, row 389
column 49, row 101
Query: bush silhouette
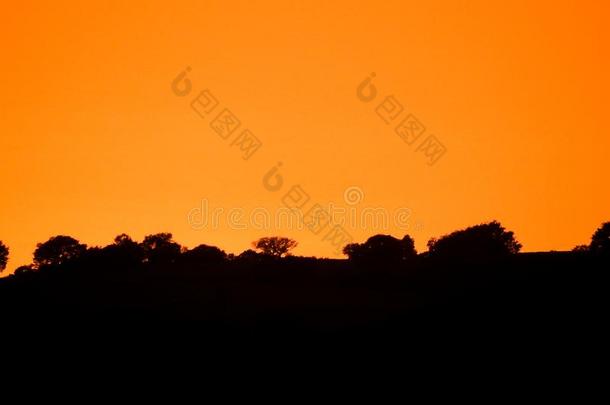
column 124, row 252
column 382, row 249
column 124, row 240
column 22, row 270
column 57, row 251
column 600, row 241
column 485, row 241
column 160, row 248
column 249, row 256
column 204, row 254
column 275, row 246
column 3, row 256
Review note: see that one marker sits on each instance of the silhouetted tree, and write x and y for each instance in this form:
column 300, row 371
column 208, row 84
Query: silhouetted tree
column 3, row 256
column 275, row 246
column 124, row 240
column 160, row 248
column 124, row 244
column 204, row 254
column 483, row 241
column 21, row 270
column 124, row 252
column 248, row 255
column 58, row 250
column 382, row 249
column 600, row 242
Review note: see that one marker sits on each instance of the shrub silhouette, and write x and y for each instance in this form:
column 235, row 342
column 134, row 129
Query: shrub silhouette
column 21, row 270
column 382, row 249
column 124, row 240
column 204, row 254
column 600, row 241
column 3, row 256
column 249, row 256
column 57, row 251
column 160, row 248
column 123, row 252
column 275, row 246
column 485, row 241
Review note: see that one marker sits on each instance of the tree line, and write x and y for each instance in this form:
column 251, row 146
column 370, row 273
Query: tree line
column 480, row 242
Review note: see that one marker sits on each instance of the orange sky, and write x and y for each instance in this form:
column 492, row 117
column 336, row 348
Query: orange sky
column 94, row 142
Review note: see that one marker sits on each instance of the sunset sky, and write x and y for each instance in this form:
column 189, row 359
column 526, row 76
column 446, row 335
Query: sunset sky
column 94, row 142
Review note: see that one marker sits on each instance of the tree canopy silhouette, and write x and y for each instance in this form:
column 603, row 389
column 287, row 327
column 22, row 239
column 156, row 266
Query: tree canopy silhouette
column 204, row 254
column 3, row 256
column 383, row 249
column 249, row 255
column 600, row 242
column 58, row 250
column 275, row 245
column 123, row 252
column 483, row 241
column 21, row 270
column 123, row 240
column 160, row 248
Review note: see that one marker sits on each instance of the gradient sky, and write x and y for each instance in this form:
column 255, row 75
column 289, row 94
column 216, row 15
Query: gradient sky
column 94, row 142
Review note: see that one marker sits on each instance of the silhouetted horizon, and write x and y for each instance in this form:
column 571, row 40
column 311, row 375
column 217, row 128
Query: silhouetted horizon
column 270, row 245
column 475, row 275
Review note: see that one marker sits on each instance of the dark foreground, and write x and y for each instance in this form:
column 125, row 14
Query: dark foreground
column 562, row 291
